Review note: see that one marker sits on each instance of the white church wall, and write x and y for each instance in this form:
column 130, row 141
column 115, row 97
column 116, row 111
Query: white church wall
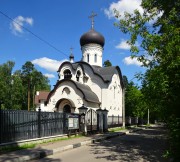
column 112, row 97
column 75, row 96
column 94, row 82
column 89, row 51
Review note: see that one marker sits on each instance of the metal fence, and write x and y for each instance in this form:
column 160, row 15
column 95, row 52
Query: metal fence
column 114, row 121
column 18, row 125
column 135, row 121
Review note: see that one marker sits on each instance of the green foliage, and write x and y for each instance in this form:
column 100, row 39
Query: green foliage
column 135, row 104
column 174, row 134
column 14, row 86
column 107, row 63
column 157, row 31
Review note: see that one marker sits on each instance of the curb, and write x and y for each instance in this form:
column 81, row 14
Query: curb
column 41, row 154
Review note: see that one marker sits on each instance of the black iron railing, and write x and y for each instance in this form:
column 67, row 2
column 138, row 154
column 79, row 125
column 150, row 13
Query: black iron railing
column 18, row 125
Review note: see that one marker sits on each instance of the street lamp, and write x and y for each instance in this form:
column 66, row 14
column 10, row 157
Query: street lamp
column 82, row 109
column 82, row 112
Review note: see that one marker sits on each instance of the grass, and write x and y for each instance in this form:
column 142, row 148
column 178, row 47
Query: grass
column 6, row 149
column 148, row 125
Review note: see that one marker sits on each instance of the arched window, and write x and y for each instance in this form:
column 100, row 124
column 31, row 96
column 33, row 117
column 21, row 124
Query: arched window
column 95, row 58
column 78, row 75
column 87, row 57
column 66, row 90
column 67, row 74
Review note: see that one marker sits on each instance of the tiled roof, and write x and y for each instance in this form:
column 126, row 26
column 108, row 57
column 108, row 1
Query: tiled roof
column 42, row 96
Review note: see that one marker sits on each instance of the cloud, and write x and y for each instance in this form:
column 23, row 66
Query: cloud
column 18, row 23
column 128, row 6
column 48, row 64
column 49, row 75
column 132, row 61
column 123, row 45
column 123, row 6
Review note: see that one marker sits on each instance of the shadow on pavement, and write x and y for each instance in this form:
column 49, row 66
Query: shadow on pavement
column 145, row 145
column 47, row 160
column 20, row 155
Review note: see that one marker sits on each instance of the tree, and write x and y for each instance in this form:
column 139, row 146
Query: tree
column 135, row 104
column 6, row 83
column 107, row 63
column 15, row 86
column 158, row 30
column 33, row 81
column 125, row 81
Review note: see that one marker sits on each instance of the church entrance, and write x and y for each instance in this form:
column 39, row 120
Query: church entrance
column 65, row 105
column 67, row 109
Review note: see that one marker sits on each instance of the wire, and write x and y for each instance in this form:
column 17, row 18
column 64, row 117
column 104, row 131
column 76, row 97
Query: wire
column 41, row 39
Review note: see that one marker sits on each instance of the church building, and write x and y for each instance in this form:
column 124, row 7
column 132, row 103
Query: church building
column 87, row 82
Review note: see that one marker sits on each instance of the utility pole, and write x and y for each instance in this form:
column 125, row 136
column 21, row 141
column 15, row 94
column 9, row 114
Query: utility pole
column 123, row 107
column 148, row 117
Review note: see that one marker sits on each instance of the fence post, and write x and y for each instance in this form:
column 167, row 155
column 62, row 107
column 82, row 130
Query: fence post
column 39, row 122
column 100, row 120
column 105, row 123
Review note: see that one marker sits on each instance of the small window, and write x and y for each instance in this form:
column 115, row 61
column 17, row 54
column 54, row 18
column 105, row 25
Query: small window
column 67, row 74
column 87, row 57
column 95, row 58
column 78, row 75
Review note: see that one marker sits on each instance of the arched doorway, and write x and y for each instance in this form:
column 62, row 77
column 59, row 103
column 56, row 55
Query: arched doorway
column 65, row 105
column 67, row 109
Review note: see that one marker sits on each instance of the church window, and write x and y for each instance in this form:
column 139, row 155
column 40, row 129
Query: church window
column 87, row 57
column 66, row 90
column 78, row 75
column 95, row 58
column 67, row 74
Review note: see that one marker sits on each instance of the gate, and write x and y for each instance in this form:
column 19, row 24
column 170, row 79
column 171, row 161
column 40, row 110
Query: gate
column 91, row 120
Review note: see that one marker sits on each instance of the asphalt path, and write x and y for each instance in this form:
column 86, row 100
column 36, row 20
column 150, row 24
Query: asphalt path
column 143, row 146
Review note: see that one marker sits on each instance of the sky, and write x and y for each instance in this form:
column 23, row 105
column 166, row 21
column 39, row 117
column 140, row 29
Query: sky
column 57, row 25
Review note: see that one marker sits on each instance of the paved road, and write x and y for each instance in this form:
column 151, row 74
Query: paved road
column 142, row 146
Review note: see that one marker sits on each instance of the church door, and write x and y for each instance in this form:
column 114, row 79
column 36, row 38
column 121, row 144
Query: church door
column 67, row 109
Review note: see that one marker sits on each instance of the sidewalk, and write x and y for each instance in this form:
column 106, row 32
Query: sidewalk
column 43, row 150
